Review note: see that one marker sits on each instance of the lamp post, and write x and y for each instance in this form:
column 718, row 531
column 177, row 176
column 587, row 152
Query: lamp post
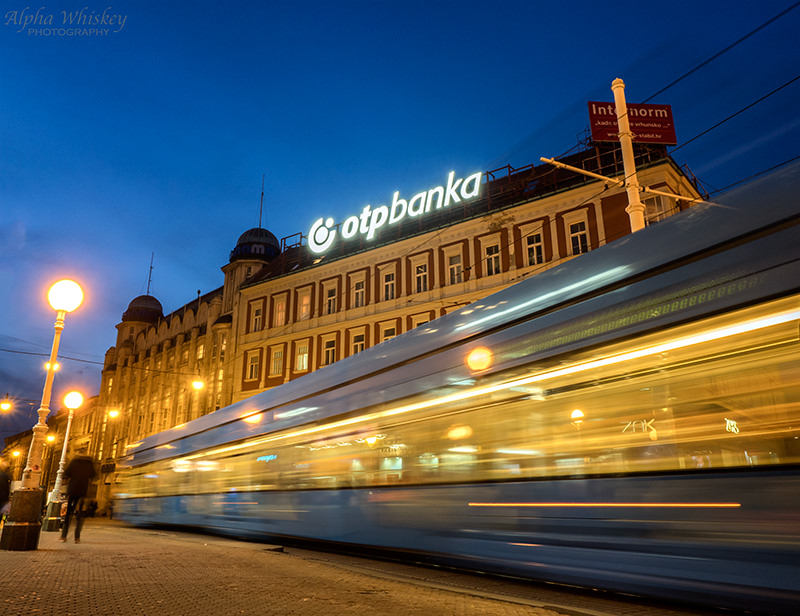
column 53, row 517
column 22, row 529
column 108, row 459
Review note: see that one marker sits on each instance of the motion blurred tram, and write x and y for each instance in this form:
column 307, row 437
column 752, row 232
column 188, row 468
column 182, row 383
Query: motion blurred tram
column 628, row 420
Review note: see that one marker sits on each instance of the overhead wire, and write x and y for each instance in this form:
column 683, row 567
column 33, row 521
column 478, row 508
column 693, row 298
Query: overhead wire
column 723, row 51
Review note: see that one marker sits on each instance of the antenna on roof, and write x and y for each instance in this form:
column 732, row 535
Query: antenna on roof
column 261, row 207
column 150, row 276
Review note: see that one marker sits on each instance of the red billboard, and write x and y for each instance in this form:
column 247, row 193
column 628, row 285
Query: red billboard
column 649, row 123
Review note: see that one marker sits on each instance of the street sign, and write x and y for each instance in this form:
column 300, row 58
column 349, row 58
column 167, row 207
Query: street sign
column 649, row 123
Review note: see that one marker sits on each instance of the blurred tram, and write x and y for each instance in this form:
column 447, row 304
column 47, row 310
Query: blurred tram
column 629, row 420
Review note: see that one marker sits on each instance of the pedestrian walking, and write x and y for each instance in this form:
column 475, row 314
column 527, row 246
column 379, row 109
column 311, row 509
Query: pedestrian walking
column 80, row 472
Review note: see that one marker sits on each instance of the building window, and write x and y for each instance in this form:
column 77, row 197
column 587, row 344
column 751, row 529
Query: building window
column 201, row 349
column 359, row 294
column 388, row 286
column 279, row 312
column 276, row 362
column 218, row 389
column 535, row 249
column 330, row 300
column 304, row 304
column 657, row 208
column 358, row 343
column 578, row 238
column 492, row 260
column 256, row 314
column 253, row 366
column 329, row 352
column 421, row 277
column 388, row 332
column 454, row 269
column 301, row 357
column 419, row 320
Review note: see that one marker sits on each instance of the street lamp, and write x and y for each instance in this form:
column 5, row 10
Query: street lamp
column 53, row 518
column 22, row 529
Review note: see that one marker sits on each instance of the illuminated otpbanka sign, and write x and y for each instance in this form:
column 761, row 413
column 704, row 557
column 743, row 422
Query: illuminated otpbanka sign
column 323, row 232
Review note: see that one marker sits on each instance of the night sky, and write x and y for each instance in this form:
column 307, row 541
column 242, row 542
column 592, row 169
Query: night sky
column 143, row 129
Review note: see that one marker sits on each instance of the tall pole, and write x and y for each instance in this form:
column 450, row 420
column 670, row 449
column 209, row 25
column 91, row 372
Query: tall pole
column 55, row 495
column 52, row 520
column 635, row 207
column 33, row 469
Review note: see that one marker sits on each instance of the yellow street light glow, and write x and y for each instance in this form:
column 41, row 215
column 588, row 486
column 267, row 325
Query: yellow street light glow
column 50, row 438
column 73, row 400
column 198, row 384
column 479, row 359
column 5, row 404
column 15, row 454
column 576, row 416
column 538, row 377
column 65, row 295
column 56, row 366
column 645, row 505
column 458, row 432
column 113, row 413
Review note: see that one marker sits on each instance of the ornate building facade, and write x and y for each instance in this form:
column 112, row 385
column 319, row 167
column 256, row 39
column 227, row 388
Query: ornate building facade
column 284, row 310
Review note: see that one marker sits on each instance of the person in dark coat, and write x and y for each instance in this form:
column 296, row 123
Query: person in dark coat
column 80, row 472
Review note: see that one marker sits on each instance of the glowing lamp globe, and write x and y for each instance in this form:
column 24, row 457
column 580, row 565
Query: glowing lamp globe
column 73, row 400
column 65, row 295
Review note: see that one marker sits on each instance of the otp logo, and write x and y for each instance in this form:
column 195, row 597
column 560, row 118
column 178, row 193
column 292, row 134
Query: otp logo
column 321, row 235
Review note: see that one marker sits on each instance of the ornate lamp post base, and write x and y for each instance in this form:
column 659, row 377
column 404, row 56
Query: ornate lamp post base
column 52, row 519
column 23, row 526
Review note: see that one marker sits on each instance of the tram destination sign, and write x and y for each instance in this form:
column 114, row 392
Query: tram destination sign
column 649, row 123
column 323, row 233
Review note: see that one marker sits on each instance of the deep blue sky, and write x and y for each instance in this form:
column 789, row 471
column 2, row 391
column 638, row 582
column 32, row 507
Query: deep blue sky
column 154, row 139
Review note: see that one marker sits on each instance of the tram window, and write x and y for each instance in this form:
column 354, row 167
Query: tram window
column 730, row 403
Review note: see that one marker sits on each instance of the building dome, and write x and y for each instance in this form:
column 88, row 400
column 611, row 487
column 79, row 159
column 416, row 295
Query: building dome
column 144, row 308
column 257, row 244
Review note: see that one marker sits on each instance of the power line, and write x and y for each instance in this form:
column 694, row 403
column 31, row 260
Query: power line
column 755, row 175
column 730, row 117
column 85, row 361
column 728, row 48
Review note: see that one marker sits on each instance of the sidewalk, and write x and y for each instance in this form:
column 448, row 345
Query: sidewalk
column 118, row 570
